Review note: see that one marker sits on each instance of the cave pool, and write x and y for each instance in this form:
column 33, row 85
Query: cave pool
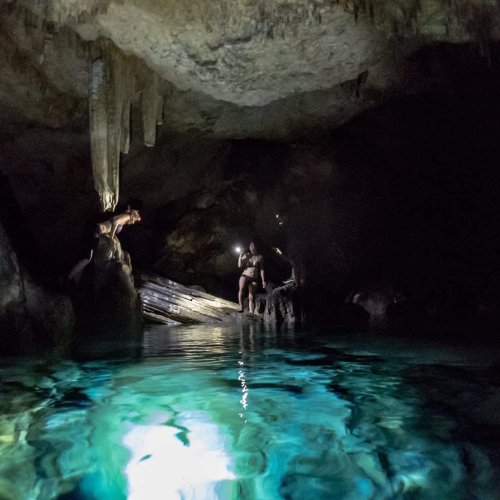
column 247, row 412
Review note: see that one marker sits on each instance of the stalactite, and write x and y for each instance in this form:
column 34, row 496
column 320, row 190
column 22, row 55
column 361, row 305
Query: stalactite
column 99, row 133
column 152, row 107
column 110, row 94
column 112, row 89
column 115, row 98
column 159, row 109
column 130, row 84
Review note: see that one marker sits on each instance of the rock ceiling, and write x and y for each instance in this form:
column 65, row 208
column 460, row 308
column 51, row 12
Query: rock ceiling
column 228, row 68
column 227, row 65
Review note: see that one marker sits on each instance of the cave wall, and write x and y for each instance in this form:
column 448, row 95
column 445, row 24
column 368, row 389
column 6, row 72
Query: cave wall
column 404, row 194
column 49, row 177
column 31, row 317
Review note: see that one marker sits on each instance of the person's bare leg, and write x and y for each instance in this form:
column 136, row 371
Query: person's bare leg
column 252, row 290
column 76, row 272
column 242, row 284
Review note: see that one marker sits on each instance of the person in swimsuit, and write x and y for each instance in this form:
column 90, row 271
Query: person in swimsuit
column 253, row 264
column 93, row 231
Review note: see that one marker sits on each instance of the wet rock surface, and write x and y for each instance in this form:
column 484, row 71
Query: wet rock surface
column 285, row 305
column 106, row 301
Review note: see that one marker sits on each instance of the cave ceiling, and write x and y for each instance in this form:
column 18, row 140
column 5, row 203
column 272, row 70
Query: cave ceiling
column 128, row 70
column 228, row 68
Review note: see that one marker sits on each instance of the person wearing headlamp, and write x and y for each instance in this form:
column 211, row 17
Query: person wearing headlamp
column 94, row 231
column 253, row 264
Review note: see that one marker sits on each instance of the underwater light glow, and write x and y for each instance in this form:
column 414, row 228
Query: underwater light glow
column 227, row 413
column 162, row 467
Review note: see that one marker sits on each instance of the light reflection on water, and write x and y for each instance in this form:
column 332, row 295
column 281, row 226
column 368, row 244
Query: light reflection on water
column 249, row 413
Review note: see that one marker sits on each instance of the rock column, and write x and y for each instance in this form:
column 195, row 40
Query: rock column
column 110, row 95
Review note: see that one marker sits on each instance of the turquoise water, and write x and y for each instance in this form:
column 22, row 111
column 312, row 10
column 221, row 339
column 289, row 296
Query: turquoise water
column 249, row 413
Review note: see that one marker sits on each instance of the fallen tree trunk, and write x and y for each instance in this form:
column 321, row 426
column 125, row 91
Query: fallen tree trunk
column 167, row 302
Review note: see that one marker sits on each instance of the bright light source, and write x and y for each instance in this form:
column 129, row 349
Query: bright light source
column 277, row 216
column 238, row 249
column 162, row 467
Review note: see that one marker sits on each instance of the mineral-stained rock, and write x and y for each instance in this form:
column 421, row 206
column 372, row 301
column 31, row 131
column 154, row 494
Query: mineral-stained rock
column 107, row 305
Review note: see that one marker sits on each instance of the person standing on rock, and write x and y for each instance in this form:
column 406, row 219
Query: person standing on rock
column 296, row 278
column 253, row 263
column 116, row 223
column 92, row 233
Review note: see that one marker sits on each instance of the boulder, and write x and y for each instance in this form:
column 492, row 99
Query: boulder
column 260, row 303
column 376, row 298
column 106, row 301
column 284, row 305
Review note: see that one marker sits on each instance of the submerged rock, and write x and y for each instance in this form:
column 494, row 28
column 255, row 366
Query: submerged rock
column 106, row 300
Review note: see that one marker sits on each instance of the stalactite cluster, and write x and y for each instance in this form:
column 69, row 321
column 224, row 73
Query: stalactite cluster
column 117, row 80
column 152, row 107
column 107, row 98
column 114, row 81
column 273, row 18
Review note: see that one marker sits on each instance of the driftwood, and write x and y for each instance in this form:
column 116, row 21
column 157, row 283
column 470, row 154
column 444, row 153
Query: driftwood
column 167, row 302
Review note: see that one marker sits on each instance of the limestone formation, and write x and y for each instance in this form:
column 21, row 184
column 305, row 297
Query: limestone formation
column 11, row 283
column 232, row 68
column 152, row 108
column 30, row 316
column 107, row 303
column 285, row 305
column 145, row 72
column 110, row 93
column 169, row 303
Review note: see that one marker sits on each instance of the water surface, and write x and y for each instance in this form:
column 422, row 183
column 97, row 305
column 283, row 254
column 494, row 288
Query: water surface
column 251, row 413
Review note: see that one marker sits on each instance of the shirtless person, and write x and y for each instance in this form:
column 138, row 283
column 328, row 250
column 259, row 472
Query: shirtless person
column 253, row 264
column 91, row 238
column 116, row 223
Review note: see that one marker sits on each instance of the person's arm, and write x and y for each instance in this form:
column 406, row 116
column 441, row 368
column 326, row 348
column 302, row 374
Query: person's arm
column 119, row 220
column 279, row 253
column 242, row 259
column 262, row 274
